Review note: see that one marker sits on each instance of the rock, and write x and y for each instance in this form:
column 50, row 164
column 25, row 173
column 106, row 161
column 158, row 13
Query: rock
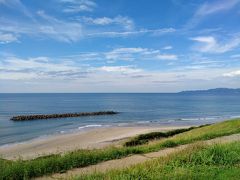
column 66, row 115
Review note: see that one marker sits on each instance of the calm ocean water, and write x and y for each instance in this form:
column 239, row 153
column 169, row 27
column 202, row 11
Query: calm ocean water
column 135, row 109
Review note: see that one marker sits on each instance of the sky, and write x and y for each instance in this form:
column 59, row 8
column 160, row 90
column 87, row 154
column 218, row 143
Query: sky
column 119, row 45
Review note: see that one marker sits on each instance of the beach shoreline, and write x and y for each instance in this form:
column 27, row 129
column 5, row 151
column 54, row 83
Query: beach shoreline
column 90, row 139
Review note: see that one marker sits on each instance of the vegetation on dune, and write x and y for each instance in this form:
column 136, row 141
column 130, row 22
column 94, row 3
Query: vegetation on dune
column 21, row 169
column 145, row 138
column 196, row 162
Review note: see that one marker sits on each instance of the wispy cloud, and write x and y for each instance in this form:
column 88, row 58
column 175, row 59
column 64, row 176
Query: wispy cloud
column 14, row 68
column 124, row 54
column 156, row 32
column 210, row 8
column 76, row 6
column 215, row 7
column 45, row 27
column 232, row 74
column 125, row 22
column 60, row 30
column 209, row 44
column 138, row 53
column 167, row 47
column 64, row 75
column 120, row 69
column 167, row 57
column 7, row 38
column 17, row 5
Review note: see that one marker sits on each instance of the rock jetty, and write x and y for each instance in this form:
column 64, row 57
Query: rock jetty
column 66, row 115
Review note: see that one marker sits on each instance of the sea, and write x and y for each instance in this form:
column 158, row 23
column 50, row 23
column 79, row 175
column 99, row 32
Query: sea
column 135, row 109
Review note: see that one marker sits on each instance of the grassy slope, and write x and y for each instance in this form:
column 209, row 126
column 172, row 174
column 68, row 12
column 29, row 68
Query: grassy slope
column 60, row 163
column 204, row 133
column 145, row 138
column 196, row 162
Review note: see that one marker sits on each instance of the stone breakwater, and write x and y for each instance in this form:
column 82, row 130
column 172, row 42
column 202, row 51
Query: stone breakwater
column 66, row 115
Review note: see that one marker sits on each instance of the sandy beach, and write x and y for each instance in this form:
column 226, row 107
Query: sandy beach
column 95, row 138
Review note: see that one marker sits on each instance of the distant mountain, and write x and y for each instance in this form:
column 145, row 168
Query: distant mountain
column 221, row 91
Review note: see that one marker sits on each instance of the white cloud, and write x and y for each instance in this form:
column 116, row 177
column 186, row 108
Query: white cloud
column 156, row 32
column 46, row 26
column 232, row 74
column 14, row 68
column 126, row 22
column 167, row 57
column 42, row 25
column 210, row 45
column 167, row 47
column 217, row 6
column 210, row 8
column 68, row 67
column 129, row 50
column 98, row 21
column 76, row 6
column 43, row 74
column 7, row 38
column 120, row 69
column 60, row 30
column 160, row 32
column 124, row 53
column 18, row 6
column 138, row 53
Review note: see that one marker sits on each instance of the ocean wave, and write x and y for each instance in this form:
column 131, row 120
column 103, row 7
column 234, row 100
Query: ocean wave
column 203, row 118
column 90, row 126
column 144, row 122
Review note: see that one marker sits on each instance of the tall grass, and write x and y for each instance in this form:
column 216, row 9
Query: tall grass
column 21, row 169
column 196, row 162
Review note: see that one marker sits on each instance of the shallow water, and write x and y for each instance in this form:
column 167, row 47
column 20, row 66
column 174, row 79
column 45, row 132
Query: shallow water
column 135, row 109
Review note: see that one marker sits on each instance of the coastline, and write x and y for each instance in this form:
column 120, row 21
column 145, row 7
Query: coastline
column 62, row 143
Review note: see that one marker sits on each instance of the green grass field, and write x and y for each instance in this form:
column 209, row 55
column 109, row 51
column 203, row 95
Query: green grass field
column 21, row 169
column 196, row 162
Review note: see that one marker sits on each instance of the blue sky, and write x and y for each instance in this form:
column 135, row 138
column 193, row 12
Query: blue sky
column 119, row 45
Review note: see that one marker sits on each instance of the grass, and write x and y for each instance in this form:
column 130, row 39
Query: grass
column 145, row 138
column 21, row 169
column 197, row 162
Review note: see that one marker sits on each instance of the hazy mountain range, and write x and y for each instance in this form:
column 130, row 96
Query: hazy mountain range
column 213, row 91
